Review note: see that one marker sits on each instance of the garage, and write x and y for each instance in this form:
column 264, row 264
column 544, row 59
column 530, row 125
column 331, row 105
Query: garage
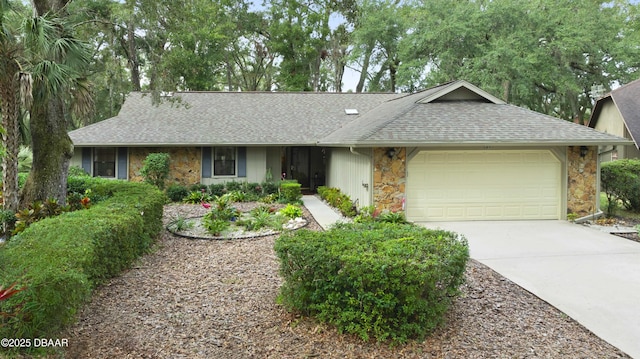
column 483, row 185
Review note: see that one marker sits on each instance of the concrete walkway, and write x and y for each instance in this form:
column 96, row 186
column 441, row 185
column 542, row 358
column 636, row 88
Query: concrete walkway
column 324, row 215
column 590, row 275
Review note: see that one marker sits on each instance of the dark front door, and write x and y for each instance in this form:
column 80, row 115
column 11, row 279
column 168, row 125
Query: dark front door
column 306, row 165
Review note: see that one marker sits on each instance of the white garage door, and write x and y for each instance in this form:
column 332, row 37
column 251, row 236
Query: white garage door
column 483, row 185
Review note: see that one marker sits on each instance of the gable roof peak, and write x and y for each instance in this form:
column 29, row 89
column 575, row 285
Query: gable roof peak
column 459, row 90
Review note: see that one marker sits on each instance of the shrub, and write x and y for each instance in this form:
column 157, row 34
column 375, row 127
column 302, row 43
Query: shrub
column 61, row 259
column 155, row 169
column 233, row 186
column 269, row 188
column 338, row 200
column 217, row 189
column 387, row 281
column 197, row 197
column 214, row 225
column 290, row 191
column 621, row 182
column 75, row 171
column 177, row 192
column 291, row 211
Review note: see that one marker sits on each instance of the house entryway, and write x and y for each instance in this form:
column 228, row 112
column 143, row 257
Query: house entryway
column 306, row 164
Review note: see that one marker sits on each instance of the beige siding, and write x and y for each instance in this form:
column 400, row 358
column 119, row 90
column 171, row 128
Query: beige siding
column 256, row 164
column 610, row 120
column 76, row 160
column 351, row 173
column 274, row 162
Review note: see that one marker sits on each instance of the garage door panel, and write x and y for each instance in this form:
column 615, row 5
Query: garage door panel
column 481, row 185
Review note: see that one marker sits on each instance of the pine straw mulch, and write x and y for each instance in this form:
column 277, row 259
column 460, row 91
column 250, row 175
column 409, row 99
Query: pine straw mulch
column 216, row 299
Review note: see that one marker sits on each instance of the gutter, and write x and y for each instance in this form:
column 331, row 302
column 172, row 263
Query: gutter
column 589, row 217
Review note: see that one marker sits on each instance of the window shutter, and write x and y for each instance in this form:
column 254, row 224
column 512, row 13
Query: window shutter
column 122, row 163
column 86, row 159
column 206, row 162
column 242, row 162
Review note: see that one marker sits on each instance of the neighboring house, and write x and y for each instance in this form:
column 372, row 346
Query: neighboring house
column 618, row 113
column 452, row 152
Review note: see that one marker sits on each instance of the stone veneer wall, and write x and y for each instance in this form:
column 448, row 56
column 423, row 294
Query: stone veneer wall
column 389, row 178
column 582, row 175
column 184, row 163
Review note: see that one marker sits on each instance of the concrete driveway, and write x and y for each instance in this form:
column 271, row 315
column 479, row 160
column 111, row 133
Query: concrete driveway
column 592, row 276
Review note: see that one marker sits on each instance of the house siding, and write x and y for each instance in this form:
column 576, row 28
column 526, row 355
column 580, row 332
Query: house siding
column 389, row 179
column 583, row 181
column 251, row 166
column 351, row 172
column 184, row 165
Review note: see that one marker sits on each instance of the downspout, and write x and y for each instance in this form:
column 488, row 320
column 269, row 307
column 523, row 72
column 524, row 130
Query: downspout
column 369, row 185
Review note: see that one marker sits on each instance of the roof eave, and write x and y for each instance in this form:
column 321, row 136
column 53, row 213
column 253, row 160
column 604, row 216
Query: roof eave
column 441, row 144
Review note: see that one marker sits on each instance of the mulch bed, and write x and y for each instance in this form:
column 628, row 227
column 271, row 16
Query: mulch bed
column 217, row 299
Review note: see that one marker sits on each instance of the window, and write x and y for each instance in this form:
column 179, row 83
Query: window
column 224, row 161
column 104, row 162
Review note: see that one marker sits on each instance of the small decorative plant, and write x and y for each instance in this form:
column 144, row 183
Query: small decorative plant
column 291, row 211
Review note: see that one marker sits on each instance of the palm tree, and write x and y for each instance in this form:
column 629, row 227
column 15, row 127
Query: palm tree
column 10, row 79
column 57, row 62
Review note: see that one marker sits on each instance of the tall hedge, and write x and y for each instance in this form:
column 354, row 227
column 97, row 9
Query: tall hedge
column 380, row 280
column 60, row 260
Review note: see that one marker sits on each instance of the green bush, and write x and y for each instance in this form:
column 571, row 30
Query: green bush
column 75, row 171
column 290, row 191
column 217, row 189
column 620, row 181
column 177, row 192
column 269, row 188
column 291, row 211
column 386, row 281
column 338, row 200
column 61, row 259
column 155, row 169
column 233, row 186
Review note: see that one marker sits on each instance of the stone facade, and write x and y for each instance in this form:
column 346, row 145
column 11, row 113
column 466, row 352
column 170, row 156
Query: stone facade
column 389, row 178
column 582, row 175
column 184, row 165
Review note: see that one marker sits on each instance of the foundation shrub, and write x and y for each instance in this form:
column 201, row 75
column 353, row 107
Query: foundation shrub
column 61, row 259
column 338, row 200
column 376, row 280
column 290, row 191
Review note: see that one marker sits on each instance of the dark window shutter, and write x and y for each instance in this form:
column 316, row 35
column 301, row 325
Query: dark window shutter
column 86, row 159
column 206, row 162
column 242, row 162
column 122, row 163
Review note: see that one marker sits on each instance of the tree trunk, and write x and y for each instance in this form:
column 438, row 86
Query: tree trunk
column 364, row 72
column 11, row 137
column 133, row 57
column 52, row 152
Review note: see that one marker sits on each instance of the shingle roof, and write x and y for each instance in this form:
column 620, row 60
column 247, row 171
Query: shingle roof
column 452, row 114
column 238, row 118
column 627, row 99
column 463, row 118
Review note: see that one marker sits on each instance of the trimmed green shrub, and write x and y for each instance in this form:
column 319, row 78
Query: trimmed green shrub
column 290, row 191
column 386, row 281
column 620, row 181
column 338, row 200
column 155, row 169
column 177, row 192
column 291, row 211
column 61, row 259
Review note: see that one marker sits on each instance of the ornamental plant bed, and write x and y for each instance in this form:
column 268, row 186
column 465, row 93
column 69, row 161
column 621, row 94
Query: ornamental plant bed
column 248, row 220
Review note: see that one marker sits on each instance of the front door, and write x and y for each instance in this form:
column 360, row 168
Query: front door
column 306, row 165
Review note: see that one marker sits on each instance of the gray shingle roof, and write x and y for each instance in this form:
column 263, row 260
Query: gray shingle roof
column 238, row 118
column 627, row 99
column 452, row 114
column 466, row 121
